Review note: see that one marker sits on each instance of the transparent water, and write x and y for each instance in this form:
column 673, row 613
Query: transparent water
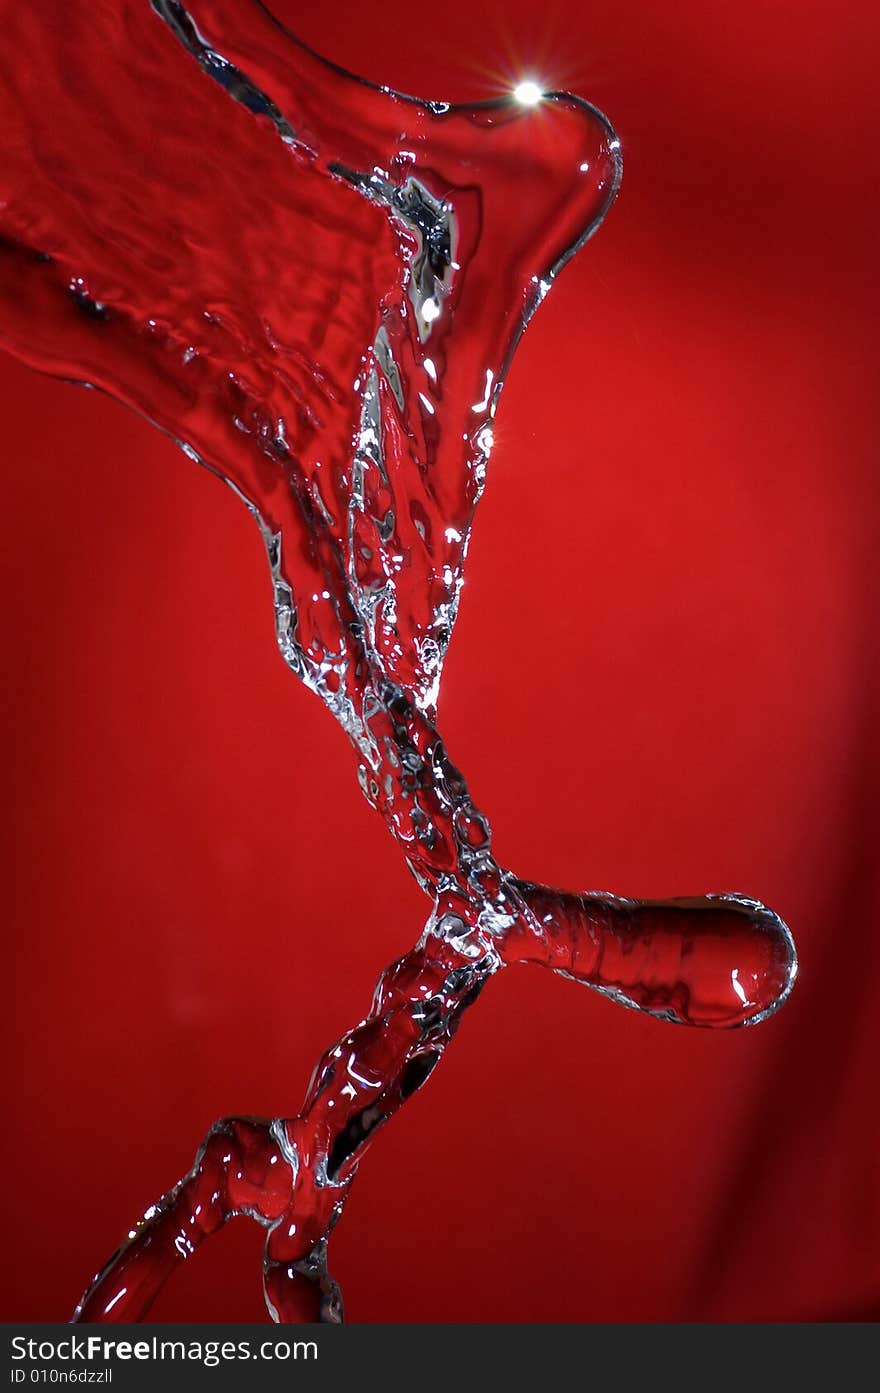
column 315, row 286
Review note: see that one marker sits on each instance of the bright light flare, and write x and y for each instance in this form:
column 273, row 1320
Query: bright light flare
column 528, row 93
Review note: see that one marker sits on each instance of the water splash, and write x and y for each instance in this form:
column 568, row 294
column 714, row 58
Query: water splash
column 315, row 286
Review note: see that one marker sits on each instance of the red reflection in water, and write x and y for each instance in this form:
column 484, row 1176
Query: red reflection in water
column 322, row 310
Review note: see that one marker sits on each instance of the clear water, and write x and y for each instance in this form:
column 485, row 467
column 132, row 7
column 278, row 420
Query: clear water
column 315, row 286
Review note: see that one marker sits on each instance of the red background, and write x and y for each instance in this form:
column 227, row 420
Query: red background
column 683, row 498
